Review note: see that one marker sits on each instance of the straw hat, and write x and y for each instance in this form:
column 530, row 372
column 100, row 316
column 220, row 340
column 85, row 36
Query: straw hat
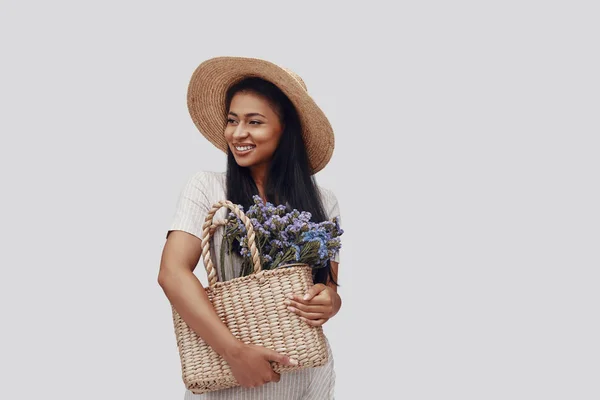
column 206, row 102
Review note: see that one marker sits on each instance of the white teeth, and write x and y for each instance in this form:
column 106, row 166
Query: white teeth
column 244, row 148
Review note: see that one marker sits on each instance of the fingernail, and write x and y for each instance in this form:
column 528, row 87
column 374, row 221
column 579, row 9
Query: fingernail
column 290, row 296
column 292, row 309
column 305, row 297
column 287, row 302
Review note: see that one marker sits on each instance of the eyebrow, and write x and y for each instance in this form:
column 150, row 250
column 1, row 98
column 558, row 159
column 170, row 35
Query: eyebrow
column 248, row 115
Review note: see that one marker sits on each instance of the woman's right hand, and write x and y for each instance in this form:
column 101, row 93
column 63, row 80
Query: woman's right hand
column 251, row 365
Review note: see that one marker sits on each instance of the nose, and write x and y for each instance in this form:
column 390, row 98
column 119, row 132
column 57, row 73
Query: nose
column 240, row 131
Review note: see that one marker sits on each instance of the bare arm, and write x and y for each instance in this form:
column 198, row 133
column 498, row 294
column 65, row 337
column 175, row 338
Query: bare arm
column 179, row 258
column 249, row 363
column 337, row 298
column 334, row 272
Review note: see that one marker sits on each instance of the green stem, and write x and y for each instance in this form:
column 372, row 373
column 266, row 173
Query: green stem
column 222, row 258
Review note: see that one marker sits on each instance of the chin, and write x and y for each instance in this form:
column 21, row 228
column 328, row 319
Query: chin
column 244, row 163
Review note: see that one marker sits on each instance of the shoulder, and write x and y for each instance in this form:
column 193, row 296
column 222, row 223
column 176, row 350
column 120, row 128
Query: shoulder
column 207, row 180
column 327, row 195
column 330, row 201
column 207, row 185
column 207, row 177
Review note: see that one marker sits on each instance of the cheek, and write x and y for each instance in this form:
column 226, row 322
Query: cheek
column 270, row 139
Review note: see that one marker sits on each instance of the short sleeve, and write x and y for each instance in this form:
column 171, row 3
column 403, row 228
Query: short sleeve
column 332, row 208
column 192, row 206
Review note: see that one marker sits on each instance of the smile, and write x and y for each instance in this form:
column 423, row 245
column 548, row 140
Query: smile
column 243, row 149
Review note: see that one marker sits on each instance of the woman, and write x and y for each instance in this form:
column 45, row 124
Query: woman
column 276, row 138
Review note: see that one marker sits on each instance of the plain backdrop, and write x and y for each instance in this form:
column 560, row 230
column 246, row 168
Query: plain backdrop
column 466, row 166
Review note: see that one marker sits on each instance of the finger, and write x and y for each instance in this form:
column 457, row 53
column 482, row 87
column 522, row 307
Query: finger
column 307, row 308
column 276, row 377
column 272, row 355
column 313, row 291
column 314, row 322
column 268, row 378
column 307, row 315
column 322, row 299
column 297, row 299
column 319, row 297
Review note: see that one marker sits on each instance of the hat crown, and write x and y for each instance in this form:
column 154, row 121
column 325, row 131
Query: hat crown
column 296, row 77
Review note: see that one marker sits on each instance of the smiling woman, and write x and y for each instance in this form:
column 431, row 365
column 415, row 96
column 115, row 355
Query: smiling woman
column 274, row 147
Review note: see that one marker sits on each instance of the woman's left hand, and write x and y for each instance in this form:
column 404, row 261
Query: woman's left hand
column 319, row 304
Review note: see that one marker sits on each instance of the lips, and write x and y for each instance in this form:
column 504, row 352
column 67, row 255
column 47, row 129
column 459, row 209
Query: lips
column 242, row 149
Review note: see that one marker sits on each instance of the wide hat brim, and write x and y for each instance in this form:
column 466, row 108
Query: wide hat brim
column 206, row 102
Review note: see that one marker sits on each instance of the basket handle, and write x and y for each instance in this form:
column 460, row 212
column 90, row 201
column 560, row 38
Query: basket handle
column 207, row 231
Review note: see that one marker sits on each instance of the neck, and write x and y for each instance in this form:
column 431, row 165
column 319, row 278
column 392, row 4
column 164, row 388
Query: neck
column 259, row 174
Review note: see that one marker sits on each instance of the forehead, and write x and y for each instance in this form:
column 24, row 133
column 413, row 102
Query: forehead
column 246, row 102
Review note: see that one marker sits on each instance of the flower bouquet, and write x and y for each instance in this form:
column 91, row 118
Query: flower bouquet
column 282, row 237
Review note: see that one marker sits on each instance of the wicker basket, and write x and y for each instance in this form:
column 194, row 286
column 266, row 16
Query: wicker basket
column 253, row 309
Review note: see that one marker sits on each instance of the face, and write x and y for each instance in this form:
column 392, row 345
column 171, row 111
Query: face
column 253, row 129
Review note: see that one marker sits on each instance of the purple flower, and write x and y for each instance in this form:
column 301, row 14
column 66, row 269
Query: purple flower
column 285, row 235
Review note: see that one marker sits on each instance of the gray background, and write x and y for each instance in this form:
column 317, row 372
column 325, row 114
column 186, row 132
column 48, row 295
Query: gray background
column 466, row 167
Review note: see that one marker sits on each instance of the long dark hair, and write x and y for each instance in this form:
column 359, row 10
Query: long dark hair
column 289, row 178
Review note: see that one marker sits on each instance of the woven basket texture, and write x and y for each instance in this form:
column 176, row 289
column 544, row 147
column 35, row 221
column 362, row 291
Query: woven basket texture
column 253, row 309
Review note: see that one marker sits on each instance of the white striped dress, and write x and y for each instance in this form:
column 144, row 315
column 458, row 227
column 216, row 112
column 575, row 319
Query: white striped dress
column 201, row 191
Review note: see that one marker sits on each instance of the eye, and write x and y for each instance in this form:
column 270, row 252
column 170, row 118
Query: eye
column 256, row 122
column 230, row 121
